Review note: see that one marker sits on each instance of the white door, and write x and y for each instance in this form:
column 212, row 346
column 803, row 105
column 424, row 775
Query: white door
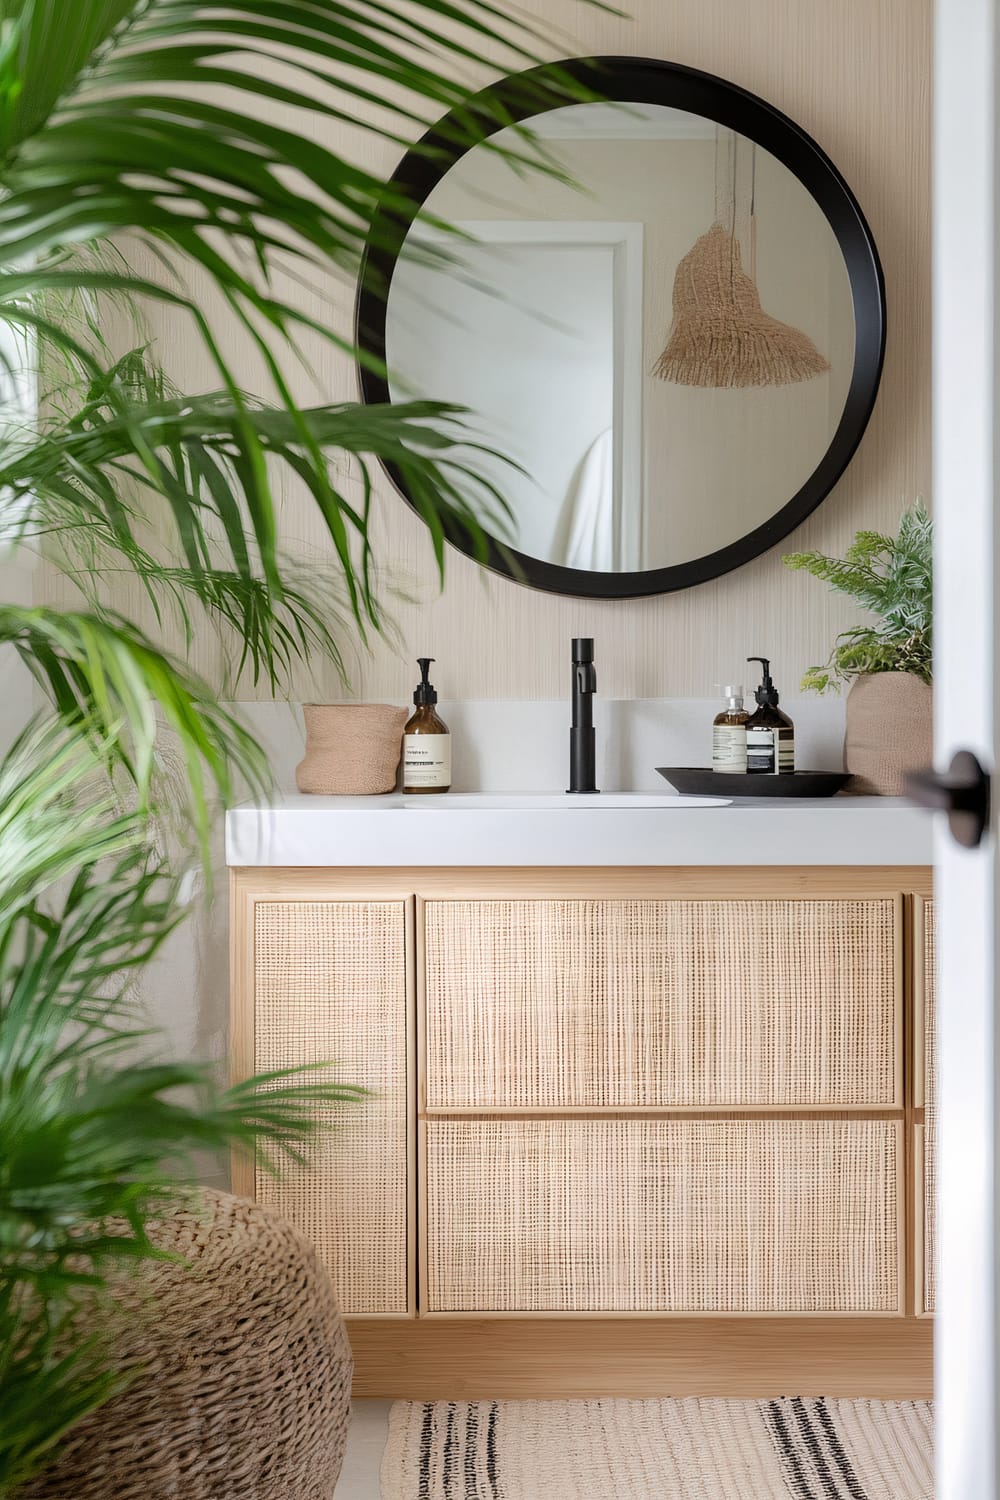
column 559, row 302
column 967, row 587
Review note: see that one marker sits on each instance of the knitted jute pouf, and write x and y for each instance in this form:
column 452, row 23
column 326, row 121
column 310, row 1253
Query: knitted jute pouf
column 242, row 1371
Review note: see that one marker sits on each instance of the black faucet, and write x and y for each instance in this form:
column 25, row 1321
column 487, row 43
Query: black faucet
column 582, row 759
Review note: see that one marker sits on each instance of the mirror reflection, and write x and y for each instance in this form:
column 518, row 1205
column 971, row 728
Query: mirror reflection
column 660, row 334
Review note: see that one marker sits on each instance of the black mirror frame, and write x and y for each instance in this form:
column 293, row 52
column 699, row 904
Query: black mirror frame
column 638, row 80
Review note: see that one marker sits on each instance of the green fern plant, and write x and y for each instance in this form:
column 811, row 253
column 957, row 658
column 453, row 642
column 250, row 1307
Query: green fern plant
column 892, row 577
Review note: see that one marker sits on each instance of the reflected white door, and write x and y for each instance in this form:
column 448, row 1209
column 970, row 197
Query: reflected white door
column 560, row 303
column 966, row 490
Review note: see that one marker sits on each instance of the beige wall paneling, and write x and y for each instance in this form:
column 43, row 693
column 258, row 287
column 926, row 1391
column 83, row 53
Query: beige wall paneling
column 855, row 74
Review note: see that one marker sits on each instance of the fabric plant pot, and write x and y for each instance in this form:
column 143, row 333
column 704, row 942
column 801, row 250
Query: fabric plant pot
column 352, row 749
column 890, row 731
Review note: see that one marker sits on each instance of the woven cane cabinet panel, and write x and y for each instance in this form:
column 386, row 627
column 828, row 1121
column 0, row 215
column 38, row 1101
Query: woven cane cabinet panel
column 330, row 983
column 560, row 1004
column 663, row 1216
column 926, row 1135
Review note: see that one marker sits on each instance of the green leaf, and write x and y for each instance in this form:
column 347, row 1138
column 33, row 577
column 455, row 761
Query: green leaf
column 892, row 578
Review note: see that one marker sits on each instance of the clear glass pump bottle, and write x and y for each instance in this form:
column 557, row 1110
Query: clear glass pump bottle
column 729, row 734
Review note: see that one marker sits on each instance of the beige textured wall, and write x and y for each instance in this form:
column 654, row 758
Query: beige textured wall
column 855, row 74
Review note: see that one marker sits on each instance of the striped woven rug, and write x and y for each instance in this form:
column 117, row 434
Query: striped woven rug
column 788, row 1449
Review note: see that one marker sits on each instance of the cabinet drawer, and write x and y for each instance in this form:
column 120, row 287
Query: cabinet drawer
column 561, row 1004
column 673, row 1216
column 330, row 984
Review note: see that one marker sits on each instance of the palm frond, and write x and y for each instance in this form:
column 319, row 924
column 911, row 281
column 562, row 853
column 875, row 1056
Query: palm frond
column 126, row 135
column 129, row 435
column 105, row 677
column 90, row 1148
column 52, row 1373
column 58, row 812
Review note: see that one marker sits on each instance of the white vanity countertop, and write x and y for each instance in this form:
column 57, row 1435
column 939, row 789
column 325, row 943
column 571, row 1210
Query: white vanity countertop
column 619, row 829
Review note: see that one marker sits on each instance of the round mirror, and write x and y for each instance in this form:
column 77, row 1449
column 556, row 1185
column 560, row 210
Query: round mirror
column 669, row 342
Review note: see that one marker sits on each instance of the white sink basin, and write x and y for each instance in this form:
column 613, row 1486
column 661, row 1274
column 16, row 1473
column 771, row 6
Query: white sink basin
column 557, row 801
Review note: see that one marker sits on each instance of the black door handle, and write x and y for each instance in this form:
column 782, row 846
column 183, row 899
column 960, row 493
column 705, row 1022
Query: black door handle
column 963, row 792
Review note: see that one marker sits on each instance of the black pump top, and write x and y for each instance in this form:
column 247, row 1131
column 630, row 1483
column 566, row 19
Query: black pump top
column 767, row 693
column 425, row 692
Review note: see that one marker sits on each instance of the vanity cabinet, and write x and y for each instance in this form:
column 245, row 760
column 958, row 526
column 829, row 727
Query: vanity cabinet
column 685, row 1099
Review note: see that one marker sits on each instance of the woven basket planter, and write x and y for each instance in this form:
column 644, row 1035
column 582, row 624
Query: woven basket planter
column 352, row 749
column 890, row 731
column 239, row 1366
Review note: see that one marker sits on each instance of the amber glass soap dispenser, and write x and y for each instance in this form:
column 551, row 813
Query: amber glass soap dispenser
column 426, row 740
column 770, row 733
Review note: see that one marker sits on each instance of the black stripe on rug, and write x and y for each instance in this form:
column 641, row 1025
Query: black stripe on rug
column 491, row 1453
column 838, row 1450
column 448, row 1463
column 811, row 1451
column 814, row 1446
column 791, row 1459
column 471, row 1445
column 426, row 1438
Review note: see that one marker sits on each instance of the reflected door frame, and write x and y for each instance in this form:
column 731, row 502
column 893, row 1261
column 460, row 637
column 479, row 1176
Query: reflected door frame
column 625, row 239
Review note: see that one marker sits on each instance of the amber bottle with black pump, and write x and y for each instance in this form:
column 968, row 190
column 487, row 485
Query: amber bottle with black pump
column 770, row 733
column 426, row 741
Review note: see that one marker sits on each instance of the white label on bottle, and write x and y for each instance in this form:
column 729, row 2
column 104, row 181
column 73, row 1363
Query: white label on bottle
column 426, row 760
column 761, row 759
column 729, row 748
column 770, row 752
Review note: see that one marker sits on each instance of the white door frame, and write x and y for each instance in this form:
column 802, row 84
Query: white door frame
column 967, row 692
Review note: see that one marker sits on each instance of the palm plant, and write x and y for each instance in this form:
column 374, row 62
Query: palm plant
column 98, row 1133
column 117, row 126
column 138, row 156
column 892, row 578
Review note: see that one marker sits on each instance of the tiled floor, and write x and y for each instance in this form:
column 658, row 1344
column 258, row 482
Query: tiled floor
column 365, row 1442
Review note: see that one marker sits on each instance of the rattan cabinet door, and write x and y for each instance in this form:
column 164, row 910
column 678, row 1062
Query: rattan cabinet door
column 330, row 985
column 589, row 1004
column 663, row 1216
column 925, row 1136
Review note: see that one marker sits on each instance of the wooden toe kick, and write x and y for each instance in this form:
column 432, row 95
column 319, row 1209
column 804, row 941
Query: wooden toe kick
column 506, row 1359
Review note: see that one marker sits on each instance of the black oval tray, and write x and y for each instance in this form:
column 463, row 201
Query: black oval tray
column 704, row 782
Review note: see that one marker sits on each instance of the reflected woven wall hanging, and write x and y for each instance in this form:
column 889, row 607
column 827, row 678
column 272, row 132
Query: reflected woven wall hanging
column 720, row 335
